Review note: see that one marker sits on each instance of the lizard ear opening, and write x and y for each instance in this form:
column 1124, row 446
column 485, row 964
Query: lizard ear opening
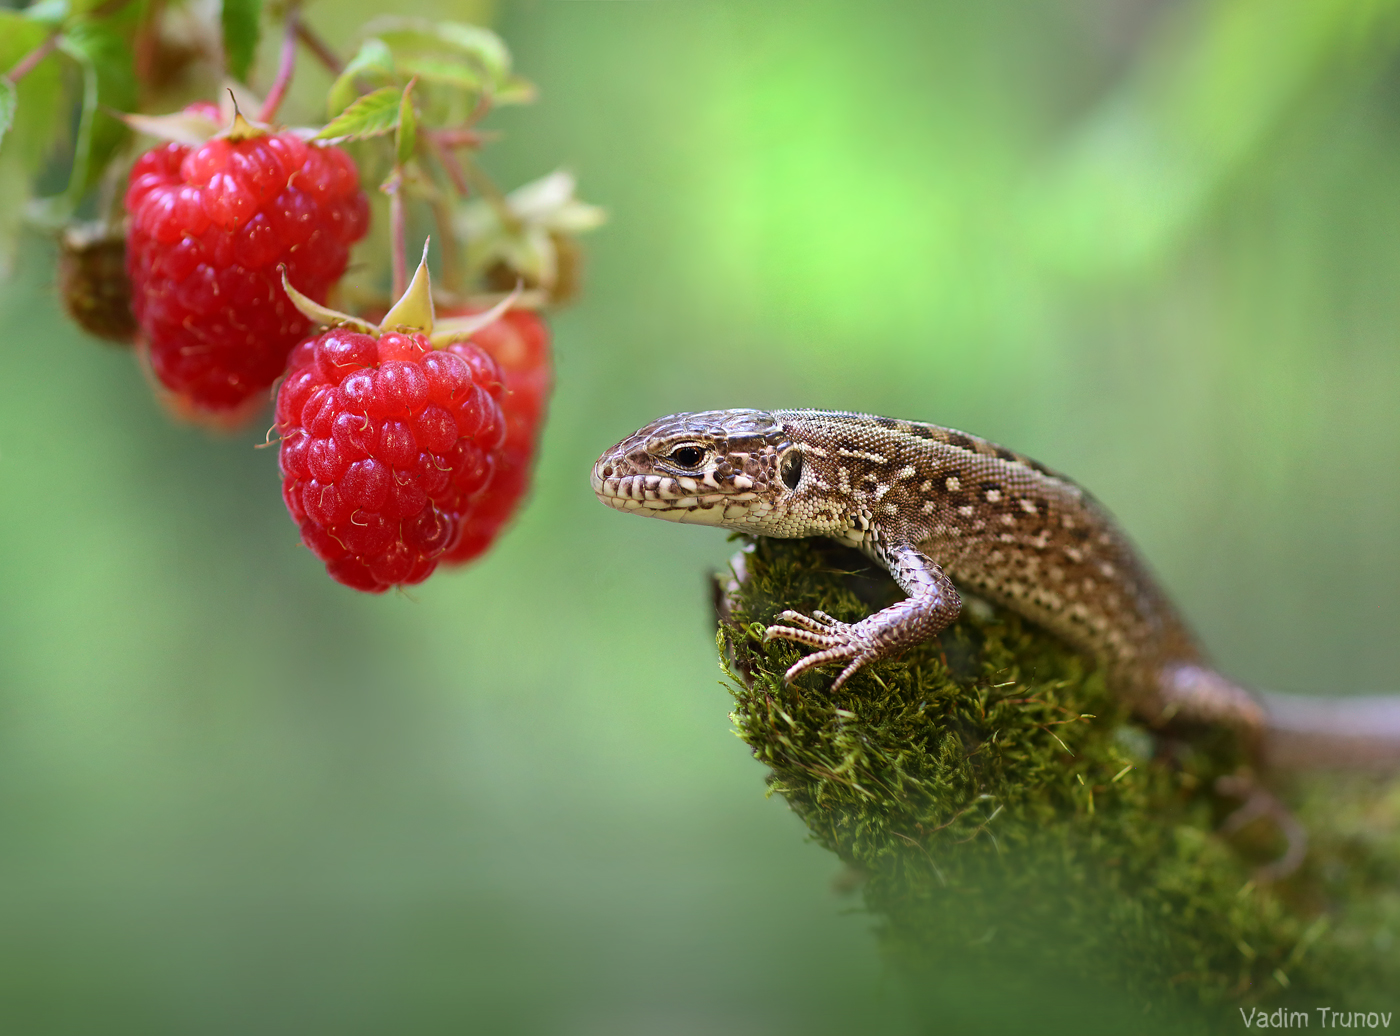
column 790, row 468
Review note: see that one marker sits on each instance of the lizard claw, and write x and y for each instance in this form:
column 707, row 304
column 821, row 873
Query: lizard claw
column 819, row 622
column 838, row 642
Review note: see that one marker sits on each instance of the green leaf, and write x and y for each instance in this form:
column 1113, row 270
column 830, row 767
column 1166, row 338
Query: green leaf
column 514, row 90
column 449, row 71
column 7, row 106
column 372, row 115
column 373, row 62
column 241, row 21
column 106, row 56
column 34, row 129
column 406, row 140
column 50, row 13
column 482, row 47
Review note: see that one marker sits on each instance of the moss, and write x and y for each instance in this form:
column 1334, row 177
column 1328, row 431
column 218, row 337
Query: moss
column 1002, row 806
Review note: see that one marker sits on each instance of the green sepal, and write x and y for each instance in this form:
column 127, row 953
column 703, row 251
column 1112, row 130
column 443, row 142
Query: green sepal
column 458, row 328
column 320, row 314
column 414, row 311
column 179, row 127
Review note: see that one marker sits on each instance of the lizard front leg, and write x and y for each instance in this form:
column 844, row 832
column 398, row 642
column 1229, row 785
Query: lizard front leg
column 932, row 604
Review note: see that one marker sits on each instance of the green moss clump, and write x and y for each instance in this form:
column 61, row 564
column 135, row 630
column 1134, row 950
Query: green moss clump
column 1002, row 806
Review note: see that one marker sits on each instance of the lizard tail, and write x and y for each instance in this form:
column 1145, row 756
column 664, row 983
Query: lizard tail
column 1358, row 733
column 1291, row 732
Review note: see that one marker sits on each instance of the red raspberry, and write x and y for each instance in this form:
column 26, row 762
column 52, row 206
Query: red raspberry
column 519, row 342
column 209, row 228
column 387, row 449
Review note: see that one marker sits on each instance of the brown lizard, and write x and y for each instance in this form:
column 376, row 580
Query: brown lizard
column 940, row 509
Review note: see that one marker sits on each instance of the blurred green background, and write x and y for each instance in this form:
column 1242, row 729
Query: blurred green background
column 1154, row 244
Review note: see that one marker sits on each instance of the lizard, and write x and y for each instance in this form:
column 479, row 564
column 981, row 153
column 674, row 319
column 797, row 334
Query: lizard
column 939, row 509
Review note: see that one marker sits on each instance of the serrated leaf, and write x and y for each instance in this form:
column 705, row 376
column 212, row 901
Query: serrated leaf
column 373, row 61
column 7, row 107
column 241, row 20
column 373, row 115
column 406, row 138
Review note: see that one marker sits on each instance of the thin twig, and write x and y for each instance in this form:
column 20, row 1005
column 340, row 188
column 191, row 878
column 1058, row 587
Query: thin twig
column 143, row 47
column 26, row 64
column 111, row 7
column 286, row 65
column 449, row 164
column 459, row 136
column 318, row 46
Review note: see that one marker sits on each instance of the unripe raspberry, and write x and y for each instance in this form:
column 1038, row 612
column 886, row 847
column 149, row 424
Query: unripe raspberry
column 209, row 228
column 93, row 284
column 388, row 448
column 519, row 343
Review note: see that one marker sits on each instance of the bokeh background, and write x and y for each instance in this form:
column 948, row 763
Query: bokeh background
column 1153, row 243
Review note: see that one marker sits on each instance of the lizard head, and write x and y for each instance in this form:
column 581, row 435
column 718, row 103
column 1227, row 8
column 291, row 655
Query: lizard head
column 730, row 468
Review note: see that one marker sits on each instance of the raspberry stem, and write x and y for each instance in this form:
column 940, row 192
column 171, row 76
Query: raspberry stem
column 319, row 48
column 286, row 65
column 393, row 187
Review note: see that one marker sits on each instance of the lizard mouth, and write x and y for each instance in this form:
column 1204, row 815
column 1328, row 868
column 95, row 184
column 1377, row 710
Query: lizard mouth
column 631, row 492
column 660, row 496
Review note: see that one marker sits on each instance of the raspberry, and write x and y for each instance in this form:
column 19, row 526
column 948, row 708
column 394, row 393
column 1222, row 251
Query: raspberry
column 388, row 447
column 209, row 227
column 519, row 343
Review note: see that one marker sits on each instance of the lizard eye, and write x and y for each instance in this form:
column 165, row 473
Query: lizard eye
column 688, row 456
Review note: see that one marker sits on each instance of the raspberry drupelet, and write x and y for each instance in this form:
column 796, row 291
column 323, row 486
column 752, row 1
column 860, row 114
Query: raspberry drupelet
column 388, row 447
column 209, row 227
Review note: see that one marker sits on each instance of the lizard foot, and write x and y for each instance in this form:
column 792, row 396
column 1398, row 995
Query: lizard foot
column 1260, row 803
column 837, row 642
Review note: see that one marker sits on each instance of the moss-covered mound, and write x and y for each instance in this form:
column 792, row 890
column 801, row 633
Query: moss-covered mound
column 1003, row 807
